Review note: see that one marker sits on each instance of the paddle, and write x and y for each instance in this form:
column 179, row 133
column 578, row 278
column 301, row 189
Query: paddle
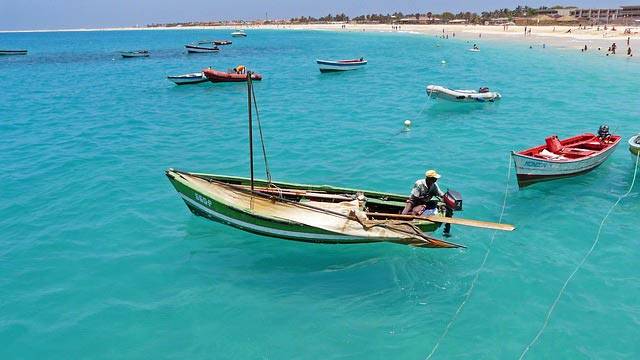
column 447, row 220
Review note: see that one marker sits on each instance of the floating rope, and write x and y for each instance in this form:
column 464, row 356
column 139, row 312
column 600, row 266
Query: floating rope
column 584, row 259
column 424, row 106
column 475, row 278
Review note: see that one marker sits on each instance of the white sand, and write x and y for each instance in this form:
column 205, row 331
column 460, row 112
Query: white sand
column 553, row 36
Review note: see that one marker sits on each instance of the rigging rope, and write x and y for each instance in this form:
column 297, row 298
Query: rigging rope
column 475, row 278
column 584, row 259
column 264, row 150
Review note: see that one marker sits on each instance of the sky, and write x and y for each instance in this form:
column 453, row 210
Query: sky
column 73, row 14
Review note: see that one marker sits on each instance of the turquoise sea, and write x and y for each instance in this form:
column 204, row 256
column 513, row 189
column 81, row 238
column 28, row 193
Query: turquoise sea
column 100, row 259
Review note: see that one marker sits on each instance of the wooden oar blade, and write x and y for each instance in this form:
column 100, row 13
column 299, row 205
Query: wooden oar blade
column 446, row 220
column 469, row 222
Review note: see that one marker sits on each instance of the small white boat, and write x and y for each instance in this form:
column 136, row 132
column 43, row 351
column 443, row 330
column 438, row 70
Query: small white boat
column 13, row 52
column 340, row 65
column 483, row 95
column 201, row 49
column 239, row 33
column 135, row 54
column 474, row 50
column 193, row 78
column 634, row 145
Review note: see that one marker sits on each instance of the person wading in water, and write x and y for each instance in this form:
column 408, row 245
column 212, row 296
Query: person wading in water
column 421, row 199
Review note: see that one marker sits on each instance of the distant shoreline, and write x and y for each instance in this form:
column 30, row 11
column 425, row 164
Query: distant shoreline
column 557, row 36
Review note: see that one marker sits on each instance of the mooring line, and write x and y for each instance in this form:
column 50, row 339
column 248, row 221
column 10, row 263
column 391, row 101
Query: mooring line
column 477, row 275
column 416, row 116
column 584, row 259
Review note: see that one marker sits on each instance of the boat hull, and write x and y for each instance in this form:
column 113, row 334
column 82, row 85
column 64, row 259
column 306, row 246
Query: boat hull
column 134, row 55
column 336, row 66
column 200, row 49
column 202, row 203
column 196, row 78
column 530, row 170
column 634, row 146
column 13, row 52
column 220, row 76
column 466, row 96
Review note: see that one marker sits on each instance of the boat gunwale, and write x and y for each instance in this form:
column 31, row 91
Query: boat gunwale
column 568, row 160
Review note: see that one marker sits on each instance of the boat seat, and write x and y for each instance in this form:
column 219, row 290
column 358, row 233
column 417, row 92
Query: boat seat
column 386, row 202
column 574, row 151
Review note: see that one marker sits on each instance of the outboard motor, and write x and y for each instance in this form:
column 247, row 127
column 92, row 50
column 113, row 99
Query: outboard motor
column 483, row 90
column 603, row 132
column 453, row 200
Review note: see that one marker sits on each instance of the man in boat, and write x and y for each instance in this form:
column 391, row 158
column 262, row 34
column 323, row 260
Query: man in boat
column 240, row 69
column 421, row 199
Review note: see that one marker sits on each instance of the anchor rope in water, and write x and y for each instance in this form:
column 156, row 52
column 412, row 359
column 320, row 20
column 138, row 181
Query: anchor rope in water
column 424, row 106
column 584, row 259
column 477, row 275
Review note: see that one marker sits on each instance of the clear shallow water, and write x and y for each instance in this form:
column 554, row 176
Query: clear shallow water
column 99, row 257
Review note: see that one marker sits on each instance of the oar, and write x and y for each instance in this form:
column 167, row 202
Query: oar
column 447, row 220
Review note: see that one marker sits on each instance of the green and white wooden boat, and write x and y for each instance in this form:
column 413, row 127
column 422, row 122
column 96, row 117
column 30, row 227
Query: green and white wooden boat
column 310, row 213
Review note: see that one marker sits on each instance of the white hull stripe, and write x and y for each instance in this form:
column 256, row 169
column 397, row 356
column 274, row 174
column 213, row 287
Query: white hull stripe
column 532, row 166
column 263, row 229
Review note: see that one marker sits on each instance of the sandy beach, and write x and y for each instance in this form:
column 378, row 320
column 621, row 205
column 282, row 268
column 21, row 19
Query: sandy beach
column 569, row 37
column 563, row 37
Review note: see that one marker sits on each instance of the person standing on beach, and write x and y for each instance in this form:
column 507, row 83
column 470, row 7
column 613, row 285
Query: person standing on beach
column 629, row 52
column 613, row 48
column 628, row 39
column 525, row 31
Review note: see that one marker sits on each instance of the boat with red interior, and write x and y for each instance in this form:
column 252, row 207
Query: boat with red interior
column 564, row 158
column 229, row 76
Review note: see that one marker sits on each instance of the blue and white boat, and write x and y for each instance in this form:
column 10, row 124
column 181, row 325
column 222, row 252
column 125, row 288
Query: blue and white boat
column 193, row 49
column 193, row 78
column 13, row 52
column 239, row 33
column 134, row 54
column 340, row 65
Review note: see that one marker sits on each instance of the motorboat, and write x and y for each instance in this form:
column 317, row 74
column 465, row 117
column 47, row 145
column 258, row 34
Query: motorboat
column 481, row 95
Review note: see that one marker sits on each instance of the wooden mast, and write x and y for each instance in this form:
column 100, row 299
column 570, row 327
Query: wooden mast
column 249, row 94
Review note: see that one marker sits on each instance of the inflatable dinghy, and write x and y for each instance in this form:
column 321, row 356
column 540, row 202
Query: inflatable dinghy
column 482, row 95
column 634, row 145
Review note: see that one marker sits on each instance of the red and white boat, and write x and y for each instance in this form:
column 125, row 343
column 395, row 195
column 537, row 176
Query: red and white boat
column 221, row 76
column 563, row 158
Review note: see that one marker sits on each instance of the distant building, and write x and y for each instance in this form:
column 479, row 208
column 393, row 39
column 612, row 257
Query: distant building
column 565, row 11
column 499, row 21
column 420, row 20
column 595, row 15
column 630, row 11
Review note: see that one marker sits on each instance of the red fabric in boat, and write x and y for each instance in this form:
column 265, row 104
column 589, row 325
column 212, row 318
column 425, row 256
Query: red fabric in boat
column 221, row 76
column 553, row 144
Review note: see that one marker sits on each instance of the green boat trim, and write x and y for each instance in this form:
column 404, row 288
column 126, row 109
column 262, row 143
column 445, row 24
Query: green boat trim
column 219, row 198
